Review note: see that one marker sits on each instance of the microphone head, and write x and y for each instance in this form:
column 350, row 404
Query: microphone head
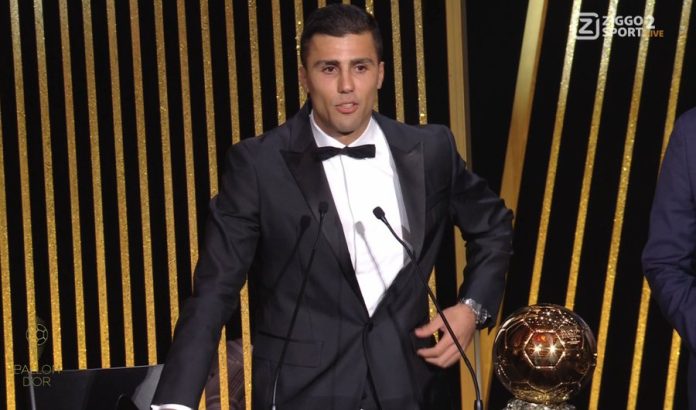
column 323, row 207
column 379, row 213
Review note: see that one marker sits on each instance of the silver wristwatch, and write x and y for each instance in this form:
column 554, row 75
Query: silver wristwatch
column 480, row 312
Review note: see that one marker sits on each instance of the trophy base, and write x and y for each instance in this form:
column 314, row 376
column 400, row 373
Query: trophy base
column 517, row 404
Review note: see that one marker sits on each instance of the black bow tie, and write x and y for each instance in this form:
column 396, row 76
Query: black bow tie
column 359, row 152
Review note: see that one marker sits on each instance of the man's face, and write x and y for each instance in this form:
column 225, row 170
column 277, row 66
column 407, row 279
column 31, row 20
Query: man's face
column 342, row 76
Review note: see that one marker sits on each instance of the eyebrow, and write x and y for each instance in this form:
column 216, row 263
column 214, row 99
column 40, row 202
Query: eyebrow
column 363, row 60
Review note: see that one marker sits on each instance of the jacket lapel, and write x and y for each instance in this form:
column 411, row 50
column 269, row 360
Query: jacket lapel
column 311, row 179
column 407, row 152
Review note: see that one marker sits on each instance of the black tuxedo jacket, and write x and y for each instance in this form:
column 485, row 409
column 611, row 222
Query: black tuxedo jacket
column 669, row 257
column 265, row 220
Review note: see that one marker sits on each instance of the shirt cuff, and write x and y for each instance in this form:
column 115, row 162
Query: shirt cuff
column 170, row 407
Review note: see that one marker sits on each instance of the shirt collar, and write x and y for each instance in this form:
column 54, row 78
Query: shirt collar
column 324, row 140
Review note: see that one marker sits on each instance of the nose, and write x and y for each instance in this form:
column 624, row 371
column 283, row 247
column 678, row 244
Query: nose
column 345, row 82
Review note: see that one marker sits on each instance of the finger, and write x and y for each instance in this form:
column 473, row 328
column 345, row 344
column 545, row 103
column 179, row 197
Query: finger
column 447, row 359
column 451, row 356
column 437, row 350
column 430, row 328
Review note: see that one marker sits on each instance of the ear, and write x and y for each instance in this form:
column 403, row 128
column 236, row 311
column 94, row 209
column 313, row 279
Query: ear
column 380, row 74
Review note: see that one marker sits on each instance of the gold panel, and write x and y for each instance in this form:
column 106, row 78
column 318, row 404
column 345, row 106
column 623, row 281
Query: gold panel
column 213, row 175
column 523, row 101
column 232, row 70
column 589, row 167
column 672, row 369
column 48, row 183
column 120, row 185
column 255, row 68
column 246, row 343
column 96, row 185
column 398, row 72
column 167, row 168
column 209, row 101
column 8, row 343
column 143, row 186
column 420, row 62
column 457, row 79
column 517, row 138
column 74, row 193
column 188, row 134
column 458, row 108
column 619, row 217
column 299, row 18
column 278, row 56
column 24, row 183
column 553, row 157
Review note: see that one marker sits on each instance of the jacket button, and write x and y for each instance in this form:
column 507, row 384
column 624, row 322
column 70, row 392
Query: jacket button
column 368, row 326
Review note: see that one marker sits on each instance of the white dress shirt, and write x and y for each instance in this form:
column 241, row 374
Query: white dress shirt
column 357, row 187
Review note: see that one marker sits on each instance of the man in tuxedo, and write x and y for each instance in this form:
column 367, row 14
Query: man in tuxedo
column 297, row 203
column 669, row 256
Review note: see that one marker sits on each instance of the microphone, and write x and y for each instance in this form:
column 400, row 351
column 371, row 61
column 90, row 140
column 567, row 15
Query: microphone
column 379, row 214
column 323, row 209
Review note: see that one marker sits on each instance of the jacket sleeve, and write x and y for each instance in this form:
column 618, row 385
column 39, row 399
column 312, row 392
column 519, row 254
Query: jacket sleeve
column 669, row 254
column 486, row 226
column 231, row 236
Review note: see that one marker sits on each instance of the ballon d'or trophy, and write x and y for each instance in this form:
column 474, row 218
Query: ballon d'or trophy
column 544, row 354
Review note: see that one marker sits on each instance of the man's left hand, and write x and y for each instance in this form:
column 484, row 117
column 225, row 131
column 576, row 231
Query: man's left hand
column 445, row 353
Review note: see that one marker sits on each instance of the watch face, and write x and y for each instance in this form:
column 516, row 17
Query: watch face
column 481, row 314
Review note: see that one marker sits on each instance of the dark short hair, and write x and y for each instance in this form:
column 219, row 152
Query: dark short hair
column 338, row 20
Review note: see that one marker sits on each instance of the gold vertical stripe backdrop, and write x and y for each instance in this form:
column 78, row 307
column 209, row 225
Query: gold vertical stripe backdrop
column 398, row 72
column 553, row 156
column 143, row 184
column 96, row 185
column 120, row 184
column 278, row 58
column 232, row 70
column 234, row 114
column 519, row 133
column 645, row 294
column 458, row 110
column 188, row 132
column 8, row 343
column 209, row 101
column 673, row 367
column 422, row 106
column 56, row 337
column 74, row 194
column 24, row 184
column 299, row 21
column 589, row 162
column 212, row 173
column 619, row 214
column 258, row 129
column 167, row 166
column 420, row 62
column 183, row 59
column 255, row 68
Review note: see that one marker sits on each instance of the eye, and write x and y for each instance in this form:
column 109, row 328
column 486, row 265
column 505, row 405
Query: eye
column 329, row 69
column 361, row 68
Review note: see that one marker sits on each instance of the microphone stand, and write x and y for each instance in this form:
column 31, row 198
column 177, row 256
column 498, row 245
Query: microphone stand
column 379, row 214
column 323, row 208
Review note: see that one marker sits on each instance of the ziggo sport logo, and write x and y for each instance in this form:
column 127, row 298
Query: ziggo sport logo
column 591, row 25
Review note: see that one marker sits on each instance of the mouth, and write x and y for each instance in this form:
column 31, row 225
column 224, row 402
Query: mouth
column 347, row 108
